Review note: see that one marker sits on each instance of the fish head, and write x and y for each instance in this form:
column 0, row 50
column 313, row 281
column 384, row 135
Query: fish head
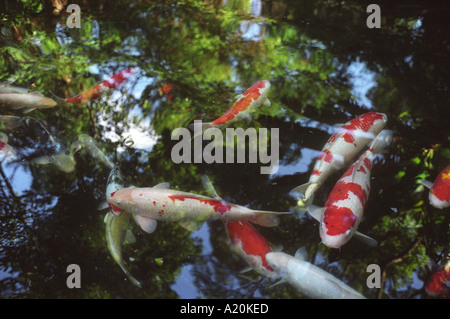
column 120, row 200
column 337, row 226
column 279, row 262
column 46, row 102
column 377, row 119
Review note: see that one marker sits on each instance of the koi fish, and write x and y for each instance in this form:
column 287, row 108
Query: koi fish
column 117, row 232
column 339, row 150
column 93, row 93
column 439, row 195
column 29, row 101
column 344, row 208
column 64, row 158
column 90, row 144
column 438, row 285
column 188, row 209
column 308, row 279
column 251, row 246
column 246, row 103
column 165, row 89
column 5, row 148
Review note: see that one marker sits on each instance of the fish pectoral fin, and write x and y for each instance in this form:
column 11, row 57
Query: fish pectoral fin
column 28, row 110
column 279, row 282
column 266, row 102
column 316, row 212
column 244, row 116
column 164, row 185
column 103, row 205
column 190, row 225
column 43, row 160
column 246, row 269
column 147, row 224
column 366, row 239
column 426, row 183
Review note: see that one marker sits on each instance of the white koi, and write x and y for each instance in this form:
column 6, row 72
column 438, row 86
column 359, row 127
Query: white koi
column 308, row 279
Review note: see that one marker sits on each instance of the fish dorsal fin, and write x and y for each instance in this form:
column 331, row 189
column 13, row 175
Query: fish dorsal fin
column 301, row 254
column 206, row 182
column 164, row 185
column 316, row 212
column 129, row 238
column 366, row 239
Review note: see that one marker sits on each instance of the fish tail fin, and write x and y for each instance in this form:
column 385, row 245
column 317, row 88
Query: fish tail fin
column 381, row 142
column 60, row 100
column 133, row 280
column 267, row 218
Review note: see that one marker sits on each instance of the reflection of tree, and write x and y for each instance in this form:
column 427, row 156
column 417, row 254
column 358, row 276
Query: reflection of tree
column 196, row 47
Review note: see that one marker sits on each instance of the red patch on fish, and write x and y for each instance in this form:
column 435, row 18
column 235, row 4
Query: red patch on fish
column 252, row 242
column 326, row 155
column 252, row 94
column 316, row 172
column 441, row 186
column 338, row 220
column 341, row 191
column 437, row 284
column 218, row 206
column 2, row 145
column 363, row 122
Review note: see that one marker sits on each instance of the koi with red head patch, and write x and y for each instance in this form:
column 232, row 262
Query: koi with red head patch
column 339, row 150
column 246, row 103
column 439, row 195
column 111, row 83
column 344, row 208
column 188, row 209
column 439, row 283
column 251, row 246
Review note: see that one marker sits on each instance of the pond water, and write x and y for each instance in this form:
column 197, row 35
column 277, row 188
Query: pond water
column 191, row 59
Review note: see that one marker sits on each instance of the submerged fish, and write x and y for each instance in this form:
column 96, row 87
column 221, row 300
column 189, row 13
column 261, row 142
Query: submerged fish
column 117, row 232
column 339, row 150
column 93, row 93
column 439, row 283
column 190, row 210
column 90, row 144
column 246, row 103
column 308, row 279
column 251, row 246
column 439, row 195
column 344, row 208
column 27, row 101
column 6, row 149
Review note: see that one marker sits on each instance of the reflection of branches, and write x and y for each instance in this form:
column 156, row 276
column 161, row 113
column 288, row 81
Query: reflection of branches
column 8, row 185
column 393, row 262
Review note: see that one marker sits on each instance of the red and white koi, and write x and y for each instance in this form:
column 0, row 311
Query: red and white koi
column 439, row 195
column 339, row 150
column 93, row 93
column 439, row 283
column 251, row 246
column 6, row 149
column 247, row 102
column 149, row 204
column 308, row 279
column 344, row 208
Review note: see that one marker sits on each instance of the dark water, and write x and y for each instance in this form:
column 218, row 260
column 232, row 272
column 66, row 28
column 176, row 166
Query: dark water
column 325, row 67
